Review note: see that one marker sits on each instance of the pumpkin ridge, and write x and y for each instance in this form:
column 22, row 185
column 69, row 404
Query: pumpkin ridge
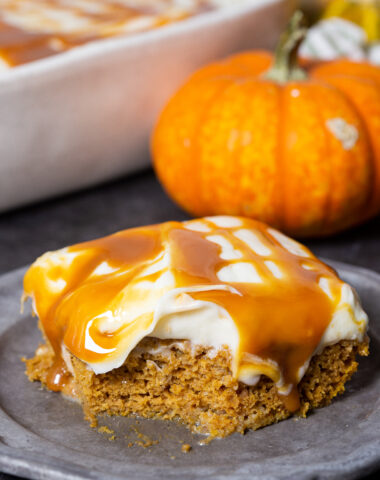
column 237, row 154
column 197, row 148
column 281, row 171
column 372, row 158
column 310, row 92
column 338, row 91
column 327, row 226
column 328, row 144
column 365, row 127
column 326, row 221
column 240, row 121
column 160, row 167
column 374, row 201
column 373, row 82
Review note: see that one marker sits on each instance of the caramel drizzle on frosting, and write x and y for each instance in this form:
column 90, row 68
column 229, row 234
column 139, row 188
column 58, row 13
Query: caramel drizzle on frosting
column 280, row 309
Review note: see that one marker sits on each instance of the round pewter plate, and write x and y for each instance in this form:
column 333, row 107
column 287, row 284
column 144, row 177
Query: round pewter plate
column 44, row 436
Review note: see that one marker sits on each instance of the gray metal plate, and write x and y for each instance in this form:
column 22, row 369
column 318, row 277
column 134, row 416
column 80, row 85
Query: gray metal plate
column 44, row 436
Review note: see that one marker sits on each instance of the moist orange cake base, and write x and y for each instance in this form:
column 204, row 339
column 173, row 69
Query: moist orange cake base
column 170, row 380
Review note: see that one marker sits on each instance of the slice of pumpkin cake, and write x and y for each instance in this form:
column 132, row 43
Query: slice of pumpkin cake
column 222, row 323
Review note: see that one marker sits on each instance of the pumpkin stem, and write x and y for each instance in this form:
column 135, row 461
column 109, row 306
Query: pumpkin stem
column 285, row 66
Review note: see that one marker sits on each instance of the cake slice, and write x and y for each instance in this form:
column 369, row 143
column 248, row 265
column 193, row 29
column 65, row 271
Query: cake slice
column 222, row 323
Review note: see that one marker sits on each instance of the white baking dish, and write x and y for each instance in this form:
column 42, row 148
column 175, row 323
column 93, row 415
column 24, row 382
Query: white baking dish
column 84, row 116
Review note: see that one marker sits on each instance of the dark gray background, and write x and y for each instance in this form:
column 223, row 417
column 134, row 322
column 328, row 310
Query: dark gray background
column 137, row 200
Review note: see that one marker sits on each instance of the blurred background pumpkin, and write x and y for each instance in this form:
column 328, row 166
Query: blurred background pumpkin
column 258, row 136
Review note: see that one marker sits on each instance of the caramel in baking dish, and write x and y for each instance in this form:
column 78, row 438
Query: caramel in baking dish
column 34, row 29
column 281, row 297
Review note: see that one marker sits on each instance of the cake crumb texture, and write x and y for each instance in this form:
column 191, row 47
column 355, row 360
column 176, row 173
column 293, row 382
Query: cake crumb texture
column 171, row 380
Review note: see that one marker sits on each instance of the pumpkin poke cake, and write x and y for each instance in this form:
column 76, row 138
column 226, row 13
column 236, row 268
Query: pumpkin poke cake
column 31, row 30
column 221, row 323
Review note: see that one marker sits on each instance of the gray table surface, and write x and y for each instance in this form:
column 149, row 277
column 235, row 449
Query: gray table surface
column 137, row 200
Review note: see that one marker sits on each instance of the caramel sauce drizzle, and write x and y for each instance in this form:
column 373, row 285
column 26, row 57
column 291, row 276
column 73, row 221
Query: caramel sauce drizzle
column 279, row 320
column 19, row 46
column 58, row 377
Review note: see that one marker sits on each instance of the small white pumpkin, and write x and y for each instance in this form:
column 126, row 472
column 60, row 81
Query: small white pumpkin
column 334, row 38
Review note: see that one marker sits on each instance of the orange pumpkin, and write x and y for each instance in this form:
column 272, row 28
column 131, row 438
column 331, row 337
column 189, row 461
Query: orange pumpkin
column 255, row 135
